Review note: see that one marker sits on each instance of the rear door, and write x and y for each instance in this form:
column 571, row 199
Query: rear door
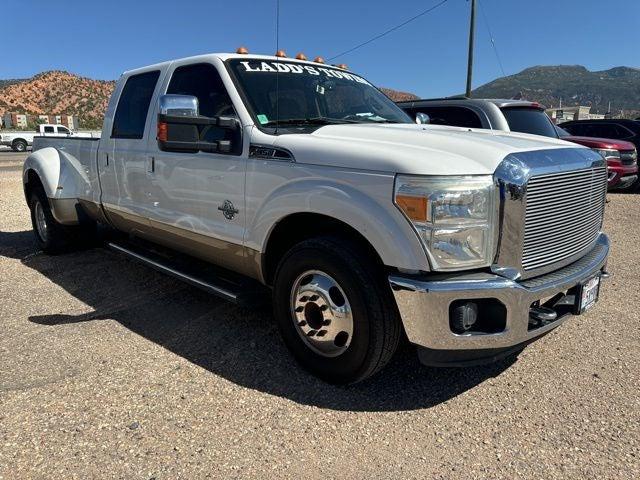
column 122, row 158
column 196, row 202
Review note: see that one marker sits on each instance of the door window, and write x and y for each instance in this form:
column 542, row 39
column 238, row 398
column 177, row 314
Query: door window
column 577, row 130
column 529, row 120
column 48, row 129
column 454, row 116
column 133, row 106
column 203, row 81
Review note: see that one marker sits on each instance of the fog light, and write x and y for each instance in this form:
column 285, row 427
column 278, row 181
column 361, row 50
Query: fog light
column 462, row 316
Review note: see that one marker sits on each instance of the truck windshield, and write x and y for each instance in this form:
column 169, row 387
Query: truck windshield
column 529, row 120
column 310, row 95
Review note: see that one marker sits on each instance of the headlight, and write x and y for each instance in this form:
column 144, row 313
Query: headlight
column 454, row 217
column 608, row 153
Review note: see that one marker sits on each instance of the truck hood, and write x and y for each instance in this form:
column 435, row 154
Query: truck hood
column 413, row 149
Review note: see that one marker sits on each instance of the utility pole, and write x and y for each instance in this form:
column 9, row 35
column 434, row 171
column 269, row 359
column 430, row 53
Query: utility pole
column 472, row 28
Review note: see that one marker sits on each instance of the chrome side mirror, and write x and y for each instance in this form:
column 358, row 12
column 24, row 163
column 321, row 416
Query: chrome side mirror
column 182, row 129
column 422, row 118
column 178, row 105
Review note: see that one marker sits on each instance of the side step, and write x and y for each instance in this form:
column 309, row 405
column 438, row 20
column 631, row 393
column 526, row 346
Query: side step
column 228, row 285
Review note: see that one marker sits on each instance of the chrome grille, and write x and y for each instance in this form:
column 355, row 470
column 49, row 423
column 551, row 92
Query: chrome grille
column 563, row 215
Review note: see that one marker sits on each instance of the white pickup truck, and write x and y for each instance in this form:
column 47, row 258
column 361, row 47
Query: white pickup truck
column 365, row 227
column 20, row 140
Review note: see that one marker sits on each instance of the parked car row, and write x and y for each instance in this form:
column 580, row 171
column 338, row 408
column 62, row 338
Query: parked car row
column 616, row 140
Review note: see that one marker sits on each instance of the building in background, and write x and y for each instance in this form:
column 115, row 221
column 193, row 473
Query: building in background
column 23, row 120
column 15, row 120
column 564, row 114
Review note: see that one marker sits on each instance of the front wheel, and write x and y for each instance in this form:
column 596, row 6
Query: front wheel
column 19, row 146
column 334, row 311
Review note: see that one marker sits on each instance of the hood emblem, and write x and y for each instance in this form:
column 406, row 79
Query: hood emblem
column 228, row 210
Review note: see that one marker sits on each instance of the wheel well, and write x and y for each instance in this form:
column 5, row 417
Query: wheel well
column 301, row 226
column 33, row 182
column 16, row 140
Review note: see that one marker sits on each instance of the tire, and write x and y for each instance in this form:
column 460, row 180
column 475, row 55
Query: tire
column 320, row 280
column 53, row 237
column 19, row 146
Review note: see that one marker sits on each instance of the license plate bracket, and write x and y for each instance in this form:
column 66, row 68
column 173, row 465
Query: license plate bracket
column 588, row 293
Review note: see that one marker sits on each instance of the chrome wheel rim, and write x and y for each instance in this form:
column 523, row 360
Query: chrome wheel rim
column 321, row 313
column 41, row 221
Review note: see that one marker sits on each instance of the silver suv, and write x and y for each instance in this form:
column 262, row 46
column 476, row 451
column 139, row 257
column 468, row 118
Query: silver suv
column 495, row 114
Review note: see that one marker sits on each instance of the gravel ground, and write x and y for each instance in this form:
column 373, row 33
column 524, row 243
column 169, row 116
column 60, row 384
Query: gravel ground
column 111, row 370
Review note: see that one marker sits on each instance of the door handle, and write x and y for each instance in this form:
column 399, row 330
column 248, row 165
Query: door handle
column 107, row 157
column 151, row 167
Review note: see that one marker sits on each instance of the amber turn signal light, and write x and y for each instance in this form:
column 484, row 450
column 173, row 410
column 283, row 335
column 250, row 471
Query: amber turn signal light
column 162, row 131
column 414, row 207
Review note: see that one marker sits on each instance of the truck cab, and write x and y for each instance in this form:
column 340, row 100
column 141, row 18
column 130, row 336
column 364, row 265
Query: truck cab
column 363, row 227
column 53, row 129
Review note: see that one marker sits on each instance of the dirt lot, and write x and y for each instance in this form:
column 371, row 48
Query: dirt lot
column 111, row 370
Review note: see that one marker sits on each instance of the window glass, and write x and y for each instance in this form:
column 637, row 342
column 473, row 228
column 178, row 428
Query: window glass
column 454, row 116
column 575, row 129
column 529, row 120
column 621, row 132
column 48, row 129
column 62, row 130
column 300, row 96
column 133, row 106
column 203, row 81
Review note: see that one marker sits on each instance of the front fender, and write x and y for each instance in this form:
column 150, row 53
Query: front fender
column 368, row 208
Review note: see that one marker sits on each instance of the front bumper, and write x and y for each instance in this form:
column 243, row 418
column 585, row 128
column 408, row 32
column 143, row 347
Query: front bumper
column 424, row 304
column 621, row 176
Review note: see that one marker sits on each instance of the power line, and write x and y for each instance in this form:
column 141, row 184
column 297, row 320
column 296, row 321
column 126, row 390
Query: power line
column 373, row 39
column 493, row 42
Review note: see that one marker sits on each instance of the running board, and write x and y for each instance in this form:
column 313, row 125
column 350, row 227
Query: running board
column 244, row 293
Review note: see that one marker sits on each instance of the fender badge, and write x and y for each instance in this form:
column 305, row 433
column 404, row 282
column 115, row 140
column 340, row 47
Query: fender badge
column 228, row 210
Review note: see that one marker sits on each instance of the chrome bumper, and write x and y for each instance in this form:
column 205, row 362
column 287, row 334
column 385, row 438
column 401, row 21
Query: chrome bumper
column 424, row 302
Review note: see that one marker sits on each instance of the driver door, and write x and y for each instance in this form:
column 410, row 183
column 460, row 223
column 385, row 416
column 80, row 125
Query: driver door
column 196, row 200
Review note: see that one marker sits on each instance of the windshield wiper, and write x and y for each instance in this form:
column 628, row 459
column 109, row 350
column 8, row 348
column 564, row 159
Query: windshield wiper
column 309, row 121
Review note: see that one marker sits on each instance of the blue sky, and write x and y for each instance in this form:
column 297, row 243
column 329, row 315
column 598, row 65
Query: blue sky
column 100, row 39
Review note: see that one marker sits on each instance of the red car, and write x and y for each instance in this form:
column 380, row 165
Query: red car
column 622, row 157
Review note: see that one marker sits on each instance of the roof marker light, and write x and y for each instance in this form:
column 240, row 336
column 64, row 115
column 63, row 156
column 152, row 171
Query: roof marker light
column 318, row 60
column 301, row 56
column 343, row 66
column 242, row 51
column 281, row 54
